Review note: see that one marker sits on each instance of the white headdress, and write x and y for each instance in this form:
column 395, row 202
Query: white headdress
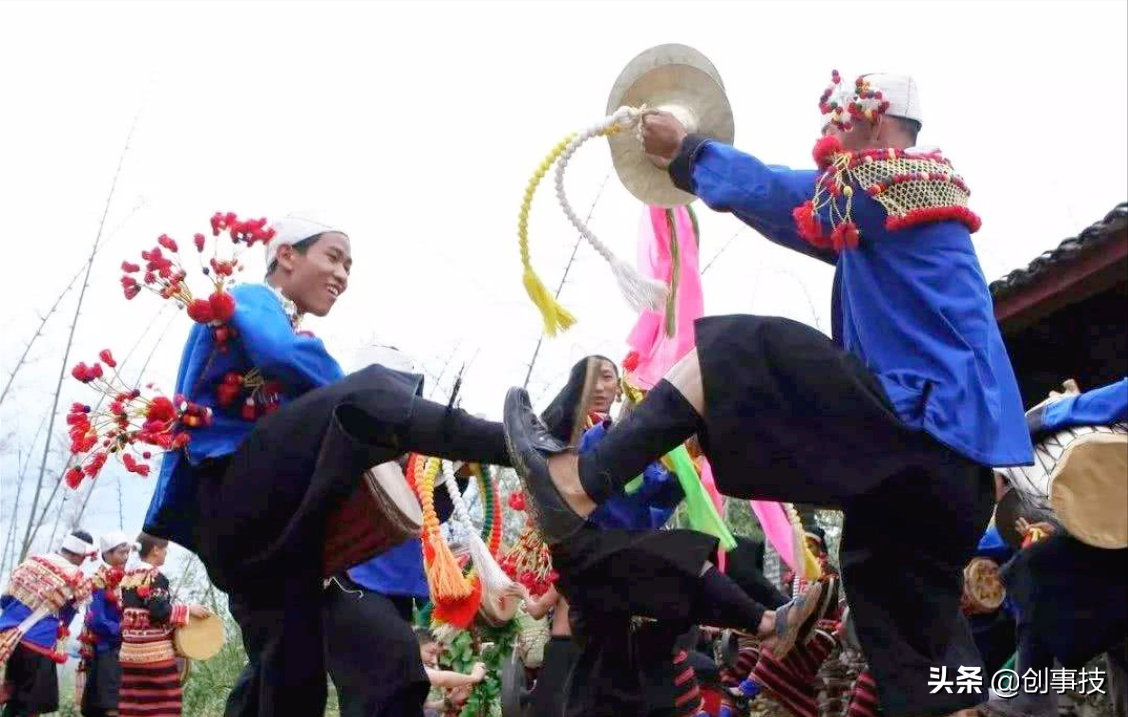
column 113, row 539
column 292, row 229
column 74, row 544
column 870, row 97
column 900, row 91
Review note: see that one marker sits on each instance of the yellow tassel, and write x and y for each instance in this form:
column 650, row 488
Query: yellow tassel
column 555, row 316
column 443, row 574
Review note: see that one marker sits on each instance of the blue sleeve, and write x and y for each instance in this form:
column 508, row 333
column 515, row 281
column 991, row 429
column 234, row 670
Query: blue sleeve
column 592, row 436
column 660, row 488
column 1099, row 407
column 761, row 196
column 102, row 622
column 301, row 362
column 992, row 546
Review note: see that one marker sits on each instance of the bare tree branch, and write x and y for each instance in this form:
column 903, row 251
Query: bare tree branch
column 38, row 333
column 70, row 338
column 722, row 250
column 144, row 366
column 43, row 319
column 806, row 294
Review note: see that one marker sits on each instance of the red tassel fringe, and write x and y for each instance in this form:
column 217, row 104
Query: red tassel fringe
column 461, row 613
column 935, row 214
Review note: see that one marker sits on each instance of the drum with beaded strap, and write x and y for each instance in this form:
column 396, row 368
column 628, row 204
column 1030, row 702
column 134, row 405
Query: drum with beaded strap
column 380, row 514
column 201, row 639
column 1080, row 474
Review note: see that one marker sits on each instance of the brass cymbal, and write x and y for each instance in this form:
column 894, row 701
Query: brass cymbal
column 682, row 81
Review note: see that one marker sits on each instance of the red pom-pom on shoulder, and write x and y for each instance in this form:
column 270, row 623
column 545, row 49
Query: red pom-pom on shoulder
column 825, row 149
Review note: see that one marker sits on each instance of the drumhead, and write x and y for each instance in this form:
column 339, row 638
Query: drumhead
column 392, row 483
column 200, row 639
column 1089, row 489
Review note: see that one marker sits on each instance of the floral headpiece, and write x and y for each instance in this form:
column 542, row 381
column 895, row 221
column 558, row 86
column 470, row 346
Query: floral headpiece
column 846, row 107
column 165, row 276
column 135, row 421
column 128, row 427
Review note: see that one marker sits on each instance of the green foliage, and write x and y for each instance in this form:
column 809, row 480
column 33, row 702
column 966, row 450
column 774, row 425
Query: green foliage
column 490, row 646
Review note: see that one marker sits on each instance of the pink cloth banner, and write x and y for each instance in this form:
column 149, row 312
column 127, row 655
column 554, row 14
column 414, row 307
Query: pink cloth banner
column 656, row 351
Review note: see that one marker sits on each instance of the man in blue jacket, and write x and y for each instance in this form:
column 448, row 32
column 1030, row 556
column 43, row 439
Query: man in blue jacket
column 899, row 419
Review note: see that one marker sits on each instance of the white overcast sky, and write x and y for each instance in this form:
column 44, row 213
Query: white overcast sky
column 416, row 126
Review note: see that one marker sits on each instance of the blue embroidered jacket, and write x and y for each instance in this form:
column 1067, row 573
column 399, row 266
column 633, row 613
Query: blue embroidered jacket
column 265, row 340
column 103, row 620
column 40, row 582
column 913, row 304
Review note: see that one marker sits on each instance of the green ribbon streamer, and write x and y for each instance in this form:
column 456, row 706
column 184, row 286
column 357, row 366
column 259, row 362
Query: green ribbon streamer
column 702, row 514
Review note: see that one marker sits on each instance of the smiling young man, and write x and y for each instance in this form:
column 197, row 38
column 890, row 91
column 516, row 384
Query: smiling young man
column 252, row 492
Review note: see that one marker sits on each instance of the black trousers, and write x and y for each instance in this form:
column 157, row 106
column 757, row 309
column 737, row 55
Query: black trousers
column 792, row 416
column 285, row 672
column 35, row 684
column 103, row 680
column 608, row 677
column 550, row 693
column 372, row 653
column 1072, row 595
column 262, row 515
column 903, row 550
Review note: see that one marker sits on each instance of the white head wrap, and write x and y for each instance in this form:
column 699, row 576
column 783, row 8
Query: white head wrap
column 109, row 541
column 901, row 92
column 292, row 229
column 78, row 546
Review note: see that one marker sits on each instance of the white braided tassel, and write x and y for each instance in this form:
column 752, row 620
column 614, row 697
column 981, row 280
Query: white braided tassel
column 641, row 293
column 494, row 580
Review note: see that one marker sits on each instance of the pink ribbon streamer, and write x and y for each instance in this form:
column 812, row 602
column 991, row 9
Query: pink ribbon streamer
column 777, row 529
column 657, row 353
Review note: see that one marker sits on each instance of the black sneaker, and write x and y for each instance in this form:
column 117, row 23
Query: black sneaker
column 529, row 443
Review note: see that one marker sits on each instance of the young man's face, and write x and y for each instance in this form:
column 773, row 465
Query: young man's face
column 606, row 389
column 320, row 275
column 117, row 557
